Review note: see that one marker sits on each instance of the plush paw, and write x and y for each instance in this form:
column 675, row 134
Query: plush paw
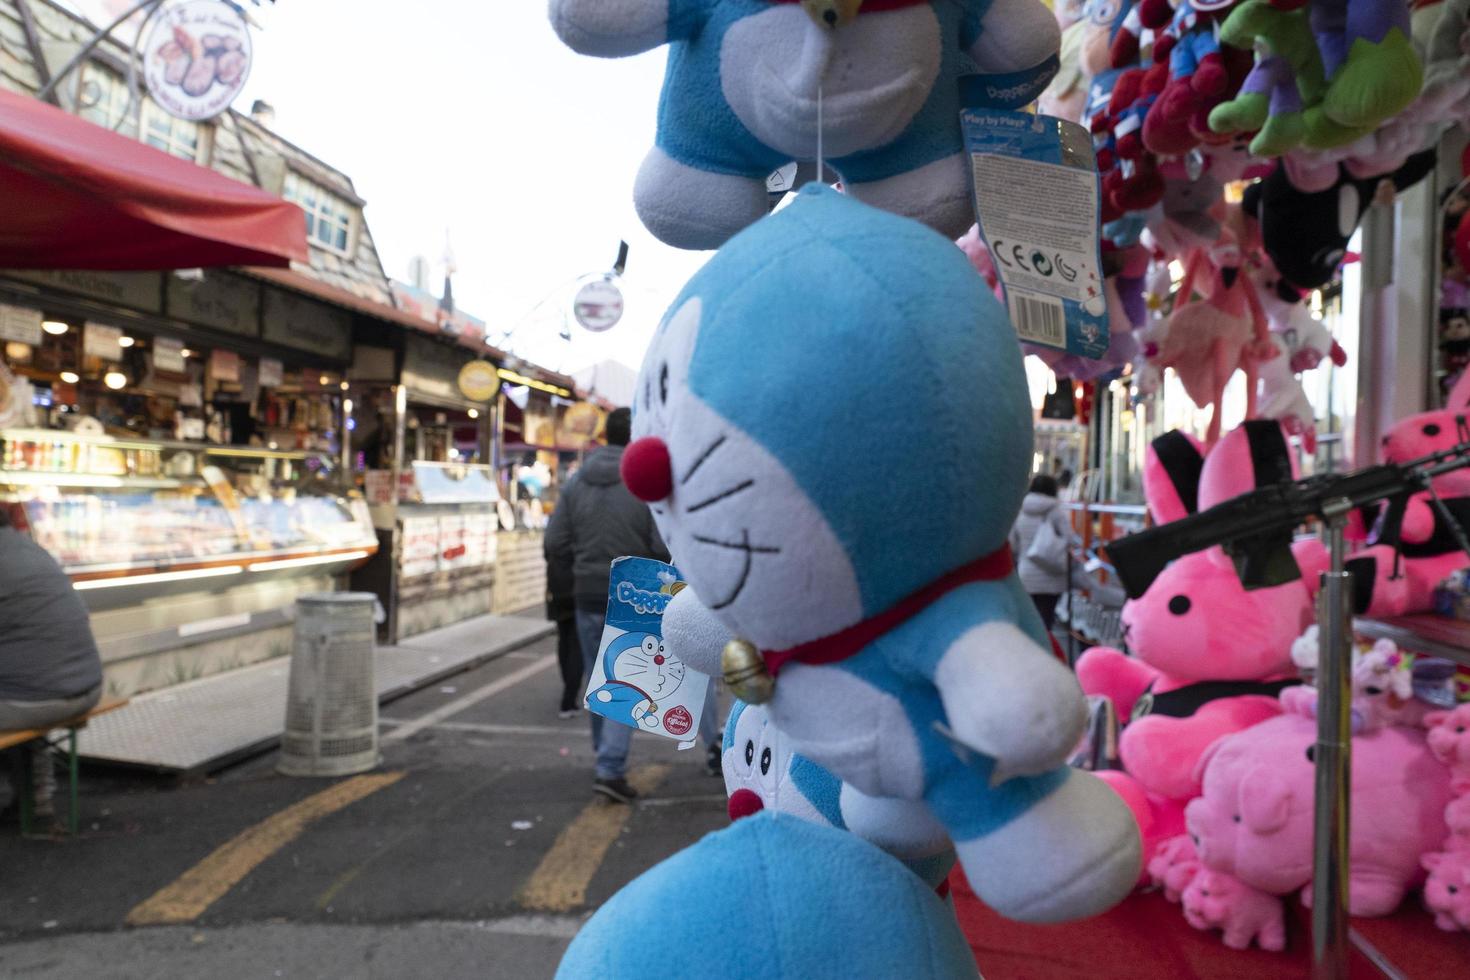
column 695, row 209
column 1074, row 854
column 1375, row 82
column 1245, row 113
column 1281, row 133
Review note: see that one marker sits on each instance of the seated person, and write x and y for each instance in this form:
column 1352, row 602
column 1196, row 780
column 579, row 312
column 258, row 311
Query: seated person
column 49, row 666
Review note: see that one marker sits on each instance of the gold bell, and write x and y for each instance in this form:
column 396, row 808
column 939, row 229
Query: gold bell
column 831, row 13
column 745, row 672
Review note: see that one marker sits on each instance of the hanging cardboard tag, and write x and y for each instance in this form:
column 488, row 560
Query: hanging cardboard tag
column 1035, row 188
column 636, row 681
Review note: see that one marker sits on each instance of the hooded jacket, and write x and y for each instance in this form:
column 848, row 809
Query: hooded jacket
column 596, row 520
column 46, row 647
column 1038, row 509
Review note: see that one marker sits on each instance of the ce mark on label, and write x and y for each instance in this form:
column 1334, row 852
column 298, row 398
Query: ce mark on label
column 1014, row 256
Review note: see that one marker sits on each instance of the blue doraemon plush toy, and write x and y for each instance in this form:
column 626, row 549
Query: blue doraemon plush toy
column 797, row 385
column 773, row 898
column 762, row 773
column 639, row 673
column 740, row 97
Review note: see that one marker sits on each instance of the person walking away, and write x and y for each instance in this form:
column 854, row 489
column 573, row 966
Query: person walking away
column 50, row 670
column 595, row 521
column 561, row 608
column 1039, row 541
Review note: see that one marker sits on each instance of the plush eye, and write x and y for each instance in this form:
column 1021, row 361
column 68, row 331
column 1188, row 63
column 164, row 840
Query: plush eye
column 1236, row 818
column 1453, row 889
column 765, row 761
column 663, row 384
column 1432, row 429
column 1460, row 730
column 749, row 752
column 1312, row 754
column 1179, row 605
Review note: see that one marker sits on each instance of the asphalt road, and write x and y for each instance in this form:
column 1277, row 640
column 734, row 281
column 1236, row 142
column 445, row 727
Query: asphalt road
column 477, row 849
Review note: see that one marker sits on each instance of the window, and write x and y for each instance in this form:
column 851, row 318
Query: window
column 328, row 217
column 178, row 137
column 103, row 98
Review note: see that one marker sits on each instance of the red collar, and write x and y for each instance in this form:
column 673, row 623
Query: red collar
column 872, row 6
column 843, row 644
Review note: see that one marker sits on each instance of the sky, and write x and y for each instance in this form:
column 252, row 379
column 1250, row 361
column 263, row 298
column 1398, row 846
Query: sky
column 471, row 119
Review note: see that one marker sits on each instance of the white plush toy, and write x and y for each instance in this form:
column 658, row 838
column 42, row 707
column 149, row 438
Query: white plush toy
column 781, row 409
column 752, row 85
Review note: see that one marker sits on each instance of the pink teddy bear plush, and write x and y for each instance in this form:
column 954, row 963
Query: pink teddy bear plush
column 1449, row 740
column 1457, row 819
column 1245, row 915
column 1174, row 866
column 1447, row 892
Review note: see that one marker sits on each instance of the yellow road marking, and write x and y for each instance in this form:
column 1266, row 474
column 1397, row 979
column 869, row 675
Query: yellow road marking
column 186, row 898
column 559, row 883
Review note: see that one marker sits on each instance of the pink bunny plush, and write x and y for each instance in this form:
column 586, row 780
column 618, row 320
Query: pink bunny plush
column 1254, row 818
column 1429, row 553
column 1245, row 915
column 1447, row 892
column 1209, row 657
column 1174, row 866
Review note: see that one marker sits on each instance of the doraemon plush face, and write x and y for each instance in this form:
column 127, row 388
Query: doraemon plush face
column 794, row 417
column 750, row 83
column 762, row 773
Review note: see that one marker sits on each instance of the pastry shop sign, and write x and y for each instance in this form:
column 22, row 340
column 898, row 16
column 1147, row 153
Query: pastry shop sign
column 197, row 57
column 598, row 305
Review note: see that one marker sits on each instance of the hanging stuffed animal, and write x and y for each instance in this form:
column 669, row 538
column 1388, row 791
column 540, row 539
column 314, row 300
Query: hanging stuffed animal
column 1372, row 70
column 1209, row 339
column 772, row 898
column 763, row 773
column 901, row 655
column 748, row 82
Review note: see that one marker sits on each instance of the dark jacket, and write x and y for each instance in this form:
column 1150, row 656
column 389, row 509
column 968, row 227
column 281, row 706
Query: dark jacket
column 46, row 647
column 596, row 520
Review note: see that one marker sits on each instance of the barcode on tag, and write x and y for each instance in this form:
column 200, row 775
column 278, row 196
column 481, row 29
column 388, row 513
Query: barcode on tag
column 1039, row 319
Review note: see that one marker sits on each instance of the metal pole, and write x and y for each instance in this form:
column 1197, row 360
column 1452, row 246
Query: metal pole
column 1333, row 761
column 90, row 46
column 400, row 424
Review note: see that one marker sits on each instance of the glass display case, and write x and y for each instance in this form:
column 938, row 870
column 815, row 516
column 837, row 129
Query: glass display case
column 112, row 509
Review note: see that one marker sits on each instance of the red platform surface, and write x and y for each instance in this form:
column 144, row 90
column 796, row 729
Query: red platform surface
column 1147, row 937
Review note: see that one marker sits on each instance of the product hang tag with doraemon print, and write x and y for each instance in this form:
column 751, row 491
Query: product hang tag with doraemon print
column 635, row 681
column 1035, row 188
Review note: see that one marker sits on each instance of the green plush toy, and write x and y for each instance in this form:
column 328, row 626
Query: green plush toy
column 1286, row 80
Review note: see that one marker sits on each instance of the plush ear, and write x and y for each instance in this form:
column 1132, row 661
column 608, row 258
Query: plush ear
column 1264, row 800
column 1208, row 754
column 1171, row 476
column 1435, row 718
column 1254, row 455
column 1433, row 860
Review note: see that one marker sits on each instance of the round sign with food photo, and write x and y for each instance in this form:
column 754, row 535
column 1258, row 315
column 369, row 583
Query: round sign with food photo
column 197, row 58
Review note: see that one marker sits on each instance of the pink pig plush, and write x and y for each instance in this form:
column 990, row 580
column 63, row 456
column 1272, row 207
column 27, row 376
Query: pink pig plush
column 1174, row 866
column 1218, row 901
column 1209, row 656
column 1254, row 819
column 1447, row 892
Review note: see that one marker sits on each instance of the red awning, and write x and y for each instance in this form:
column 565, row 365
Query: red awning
column 76, row 196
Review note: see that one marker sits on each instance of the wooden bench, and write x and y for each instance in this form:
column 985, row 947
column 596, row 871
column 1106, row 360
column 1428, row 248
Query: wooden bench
column 10, row 739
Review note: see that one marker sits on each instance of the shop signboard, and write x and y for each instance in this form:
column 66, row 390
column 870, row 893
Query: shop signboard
column 479, row 539
column 20, row 324
column 101, row 340
column 219, row 300
column 272, row 372
column 479, row 381
column 168, row 355
column 598, row 305
column 134, row 290
column 419, row 549
column 378, row 488
column 224, row 365
column 296, row 322
column 433, row 369
column 197, row 58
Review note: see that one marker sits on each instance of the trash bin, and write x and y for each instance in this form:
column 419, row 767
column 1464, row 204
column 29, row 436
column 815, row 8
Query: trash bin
column 331, row 700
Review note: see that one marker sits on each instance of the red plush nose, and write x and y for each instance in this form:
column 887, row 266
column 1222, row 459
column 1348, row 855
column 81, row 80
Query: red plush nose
column 744, row 803
column 659, row 659
column 647, row 472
